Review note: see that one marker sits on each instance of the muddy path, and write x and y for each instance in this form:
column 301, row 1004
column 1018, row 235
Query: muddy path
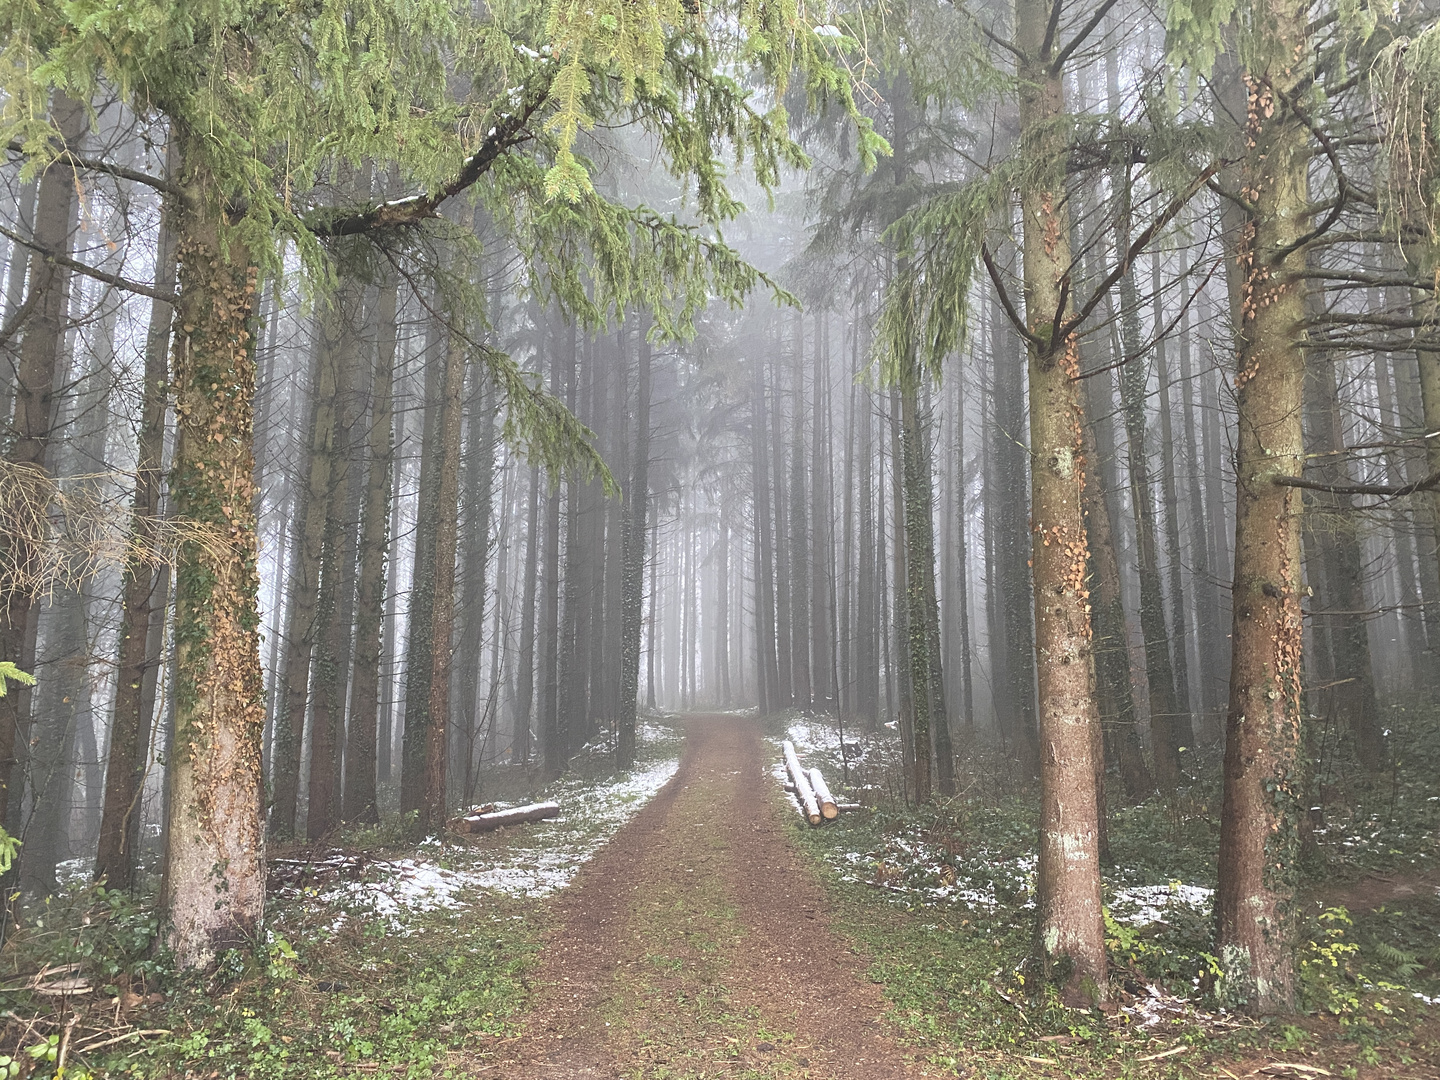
column 696, row 945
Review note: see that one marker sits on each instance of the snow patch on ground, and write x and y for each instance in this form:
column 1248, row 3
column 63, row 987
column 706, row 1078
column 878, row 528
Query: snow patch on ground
column 811, row 735
column 1141, row 905
column 543, row 858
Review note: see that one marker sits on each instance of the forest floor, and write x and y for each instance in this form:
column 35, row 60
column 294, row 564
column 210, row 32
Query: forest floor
column 681, row 922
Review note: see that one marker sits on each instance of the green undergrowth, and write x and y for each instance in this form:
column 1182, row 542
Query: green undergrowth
column 353, row 977
column 940, row 900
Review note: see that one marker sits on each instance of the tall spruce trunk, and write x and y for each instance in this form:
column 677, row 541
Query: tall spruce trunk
column 552, row 750
column 142, row 596
column 1338, row 548
column 432, row 802
column 637, row 500
column 1015, row 662
column 214, row 888
column 1070, row 929
column 1114, row 687
column 822, row 509
column 479, row 494
column 869, row 617
column 961, row 521
column 361, row 734
column 302, row 618
column 420, row 651
column 1260, row 816
column 916, row 755
column 799, row 539
column 767, row 665
column 1179, row 621
column 525, row 678
column 335, row 606
column 785, row 687
column 40, row 353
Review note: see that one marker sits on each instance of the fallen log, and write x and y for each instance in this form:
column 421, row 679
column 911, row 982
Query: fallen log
column 804, row 794
column 829, row 809
column 849, row 806
column 518, row 815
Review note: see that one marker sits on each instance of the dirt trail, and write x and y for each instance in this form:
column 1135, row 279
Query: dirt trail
column 696, row 945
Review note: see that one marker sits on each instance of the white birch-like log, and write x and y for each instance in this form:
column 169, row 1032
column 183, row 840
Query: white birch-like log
column 803, row 792
column 829, row 809
column 518, row 815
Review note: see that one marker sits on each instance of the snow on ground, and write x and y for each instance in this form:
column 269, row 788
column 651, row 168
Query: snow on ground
column 985, row 880
column 814, row 734
column 1140, row 905
column 542, row 858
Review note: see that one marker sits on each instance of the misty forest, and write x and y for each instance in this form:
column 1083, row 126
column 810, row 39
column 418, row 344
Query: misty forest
column 677, row 539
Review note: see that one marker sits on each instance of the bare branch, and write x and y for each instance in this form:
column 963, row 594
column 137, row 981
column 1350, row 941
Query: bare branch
column 75, row 161
column 89, row 271
column 1081, row 36
column 1385, row 491
column 1005, row 303
column 1123, row 263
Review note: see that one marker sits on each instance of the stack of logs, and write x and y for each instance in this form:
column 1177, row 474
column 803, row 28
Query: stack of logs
column 817, row 805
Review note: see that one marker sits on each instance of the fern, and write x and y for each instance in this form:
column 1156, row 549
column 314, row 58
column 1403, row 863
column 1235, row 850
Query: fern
column 1404, row 964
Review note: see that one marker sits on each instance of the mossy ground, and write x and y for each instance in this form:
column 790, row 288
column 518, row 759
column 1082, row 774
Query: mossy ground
column 955, row 970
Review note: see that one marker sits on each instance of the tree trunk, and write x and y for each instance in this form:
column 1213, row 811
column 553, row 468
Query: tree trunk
column 525, row 684
column 479, row 495
column 432, row 801
column 420, row 654
column 40, row 354
column 1261, row 813
column 1070, row 929
column 1179, row 622
column 799, row 540
column 1339, row 551
column 637, row 499
column 215, row 857
column 303, row 616
column 767, row 666
column 142, row 596
column 336, row 604
column 1115, row 693
column 552, row 752
column 365, row 703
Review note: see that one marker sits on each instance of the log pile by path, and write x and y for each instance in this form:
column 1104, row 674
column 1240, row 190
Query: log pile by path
column 812, row 795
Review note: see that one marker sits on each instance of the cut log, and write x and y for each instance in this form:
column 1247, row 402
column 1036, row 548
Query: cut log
column 844, row 807
column 829, row 809
column 518, row 815
column 803, row 792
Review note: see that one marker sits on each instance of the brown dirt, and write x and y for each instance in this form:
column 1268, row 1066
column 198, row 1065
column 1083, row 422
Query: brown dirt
column 696, row 945
column 1376, row 889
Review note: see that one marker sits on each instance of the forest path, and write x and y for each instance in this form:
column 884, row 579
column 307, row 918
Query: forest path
column 696, row 945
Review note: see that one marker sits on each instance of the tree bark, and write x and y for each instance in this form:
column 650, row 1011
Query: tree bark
column 1070, row 929
column 1115, row 693
column 1261, row 812
column 637, row 499
column 141, row 595
column 303, row 616
column 432, row 801
column 336, row 603
column 215, row 857
column 361, row 735
column 420, row 654
column 1338, row 549
column 40, row 354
